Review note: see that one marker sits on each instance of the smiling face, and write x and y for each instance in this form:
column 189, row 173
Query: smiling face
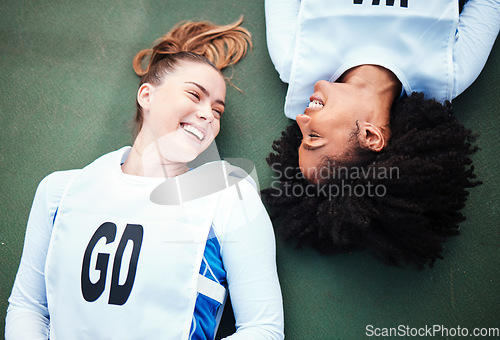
column 182, row 113
column 340, row 117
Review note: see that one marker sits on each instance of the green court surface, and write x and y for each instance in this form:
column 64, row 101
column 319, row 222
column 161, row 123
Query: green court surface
column 68, row 96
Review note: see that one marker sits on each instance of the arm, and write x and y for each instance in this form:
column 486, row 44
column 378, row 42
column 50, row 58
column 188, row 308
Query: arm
column 281, row 20
column 477, row 30
column 249, row 257
column 27, row 314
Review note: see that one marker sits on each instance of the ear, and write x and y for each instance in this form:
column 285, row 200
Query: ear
column 371, row 137
column 144, row 95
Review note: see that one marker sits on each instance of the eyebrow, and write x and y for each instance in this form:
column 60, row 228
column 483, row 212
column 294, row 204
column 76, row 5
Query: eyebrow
column 206, row 93
column 312, row 148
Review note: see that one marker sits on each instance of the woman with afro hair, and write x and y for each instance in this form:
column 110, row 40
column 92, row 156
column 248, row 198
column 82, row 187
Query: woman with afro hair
column 137, row 245
column 377, row 159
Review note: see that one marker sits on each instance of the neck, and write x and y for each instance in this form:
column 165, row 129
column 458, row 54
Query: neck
column 376, row 79
column 379, row 86
column 145, row 159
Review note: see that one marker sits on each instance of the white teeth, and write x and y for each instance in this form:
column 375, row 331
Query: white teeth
column 315, row 104
column 191, row 129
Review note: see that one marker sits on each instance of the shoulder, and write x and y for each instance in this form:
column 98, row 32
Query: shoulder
column 57, row 181
column 242, row 181
column 52, row 187
column 240, row 204
column 281, row 22
column 478, row 27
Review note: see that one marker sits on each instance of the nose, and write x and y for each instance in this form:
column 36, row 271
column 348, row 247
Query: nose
column 205, row 113
column 302, row 120
column 321, row 83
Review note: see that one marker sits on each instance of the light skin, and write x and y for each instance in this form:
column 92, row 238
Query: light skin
column 181, row 117
column 359, row 101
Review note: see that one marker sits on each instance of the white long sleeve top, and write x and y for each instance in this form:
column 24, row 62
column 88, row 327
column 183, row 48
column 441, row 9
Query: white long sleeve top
column 247, row 251
column 425, row 43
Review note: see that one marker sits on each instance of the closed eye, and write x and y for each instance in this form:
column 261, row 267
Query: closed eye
column 195, row 95
column 217, row 113
column 312, row 137
column 311, row 147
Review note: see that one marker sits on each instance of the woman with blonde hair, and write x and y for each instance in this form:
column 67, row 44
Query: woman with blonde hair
column 104, row 258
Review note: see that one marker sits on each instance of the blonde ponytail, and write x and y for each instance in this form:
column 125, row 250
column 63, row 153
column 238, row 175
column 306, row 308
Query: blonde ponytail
column 222, row 45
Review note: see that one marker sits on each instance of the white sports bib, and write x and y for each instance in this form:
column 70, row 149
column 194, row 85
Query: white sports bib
column 120, row 266
column 412, row 38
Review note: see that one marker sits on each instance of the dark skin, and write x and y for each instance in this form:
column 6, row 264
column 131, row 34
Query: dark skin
column 361, row 98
